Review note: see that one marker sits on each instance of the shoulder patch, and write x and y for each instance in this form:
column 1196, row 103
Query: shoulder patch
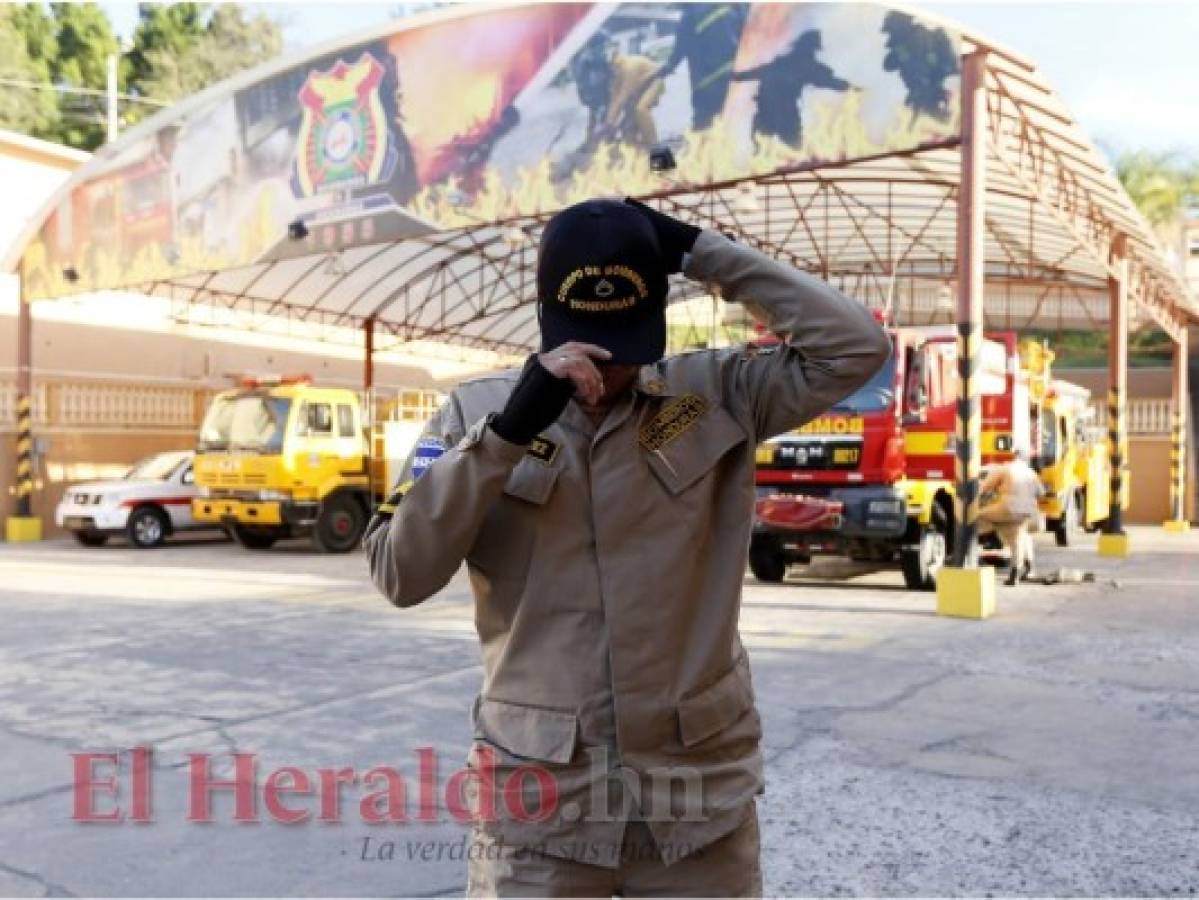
column 427, row 451
column 673, row 419
column 543, row 450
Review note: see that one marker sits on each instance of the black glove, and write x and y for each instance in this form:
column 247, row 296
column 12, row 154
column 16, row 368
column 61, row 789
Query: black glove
column 675, row 237
column 535, row 404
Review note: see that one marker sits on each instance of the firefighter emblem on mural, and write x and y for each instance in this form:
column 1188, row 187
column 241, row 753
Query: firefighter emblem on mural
column 344, row 140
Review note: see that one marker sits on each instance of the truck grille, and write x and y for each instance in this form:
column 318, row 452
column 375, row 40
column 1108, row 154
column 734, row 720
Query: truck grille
column 816, row 454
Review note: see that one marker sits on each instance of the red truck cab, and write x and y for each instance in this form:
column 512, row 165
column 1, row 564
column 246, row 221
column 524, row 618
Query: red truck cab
column 872, row 478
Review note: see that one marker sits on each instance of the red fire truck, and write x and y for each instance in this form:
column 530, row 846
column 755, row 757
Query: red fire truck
column 873, row 479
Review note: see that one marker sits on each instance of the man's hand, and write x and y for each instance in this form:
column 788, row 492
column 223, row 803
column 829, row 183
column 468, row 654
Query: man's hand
column 545, row 386
column 574, row 361
column 675, row 237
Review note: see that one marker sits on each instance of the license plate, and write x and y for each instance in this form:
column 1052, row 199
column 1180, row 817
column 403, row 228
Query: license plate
column 845, row 456
column 72, row 522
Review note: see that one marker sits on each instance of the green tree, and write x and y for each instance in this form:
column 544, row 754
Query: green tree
column 39, row 30
column 85, row 41
column 230, row 43
column 28, row 103
column 163, row 31
column 1158, row 183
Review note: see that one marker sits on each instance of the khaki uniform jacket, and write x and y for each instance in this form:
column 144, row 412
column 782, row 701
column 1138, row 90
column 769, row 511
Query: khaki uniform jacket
column 1017, row 490
column 607, row 565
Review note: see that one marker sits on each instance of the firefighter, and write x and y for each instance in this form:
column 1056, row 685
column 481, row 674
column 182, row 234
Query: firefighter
column 924, row 59
column 781, row 83
column 1009, row 507
column 620, row 92
column 707, row 38
column 602, row 499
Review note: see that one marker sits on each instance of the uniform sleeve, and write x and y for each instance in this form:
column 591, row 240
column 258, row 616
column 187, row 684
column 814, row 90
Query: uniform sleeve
column 831, row 344
column 420, row 535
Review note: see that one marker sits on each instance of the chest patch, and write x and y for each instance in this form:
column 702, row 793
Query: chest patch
column 673, row 419
column 543, row 450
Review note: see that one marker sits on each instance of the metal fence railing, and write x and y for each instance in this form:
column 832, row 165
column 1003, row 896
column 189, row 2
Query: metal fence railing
column 1146, row 415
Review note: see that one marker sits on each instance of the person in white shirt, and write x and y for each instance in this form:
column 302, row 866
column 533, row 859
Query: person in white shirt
column 1009, row 505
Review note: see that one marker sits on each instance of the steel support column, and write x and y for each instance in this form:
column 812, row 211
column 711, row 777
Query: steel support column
column 964, row 589
column 971, row 231
column 22, row 525
column 368, row 354
column 1178, row 436
column 1117, row 388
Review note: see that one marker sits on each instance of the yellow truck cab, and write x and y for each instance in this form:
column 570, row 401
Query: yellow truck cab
column 1067, row 450
column 283, row 458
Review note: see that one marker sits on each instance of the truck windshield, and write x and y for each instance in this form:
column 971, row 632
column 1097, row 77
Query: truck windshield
column 875, row 395
column 248, row 422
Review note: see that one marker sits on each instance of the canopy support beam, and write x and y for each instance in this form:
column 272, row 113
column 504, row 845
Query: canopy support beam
column 368, row 353
column 971, row 281
column 1178, row 437
column 1117, row 390
column 964, row 589
column 21, row 525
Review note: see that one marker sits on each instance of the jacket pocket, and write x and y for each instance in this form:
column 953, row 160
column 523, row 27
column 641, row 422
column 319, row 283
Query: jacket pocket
column 682, row 461
column 508, row 535
column 532, row 732
column 718, row 706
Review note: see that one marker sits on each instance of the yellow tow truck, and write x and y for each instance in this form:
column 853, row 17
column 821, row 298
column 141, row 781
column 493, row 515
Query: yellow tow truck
column 281, row 457
column 1068, row 450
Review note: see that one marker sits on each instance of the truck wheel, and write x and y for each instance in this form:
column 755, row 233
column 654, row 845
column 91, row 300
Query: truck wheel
column 921, row 563
column 339, row 524
column 253, row 538
column 766, row 560
column 147, row 527
column 91, row 538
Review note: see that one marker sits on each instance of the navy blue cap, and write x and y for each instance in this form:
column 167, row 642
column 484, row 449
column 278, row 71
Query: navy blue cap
column 601, row 279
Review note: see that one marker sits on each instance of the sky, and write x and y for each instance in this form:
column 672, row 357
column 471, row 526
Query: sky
column 1129, row 71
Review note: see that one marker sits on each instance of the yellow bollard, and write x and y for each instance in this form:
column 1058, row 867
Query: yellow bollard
column 18, row 529
column 967, row 593
column 1114, row 546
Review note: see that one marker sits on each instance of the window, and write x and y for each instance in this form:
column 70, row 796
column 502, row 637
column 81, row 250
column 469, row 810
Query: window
column 188, row 477
column 1049, row 445
column 317, row 419
column 345, row 420
column 876, row 395
column 245, row 422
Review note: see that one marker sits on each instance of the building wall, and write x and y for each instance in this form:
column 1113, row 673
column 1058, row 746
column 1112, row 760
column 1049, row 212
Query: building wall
column 1150, row 417
column 1149, row 495
column 106, row 397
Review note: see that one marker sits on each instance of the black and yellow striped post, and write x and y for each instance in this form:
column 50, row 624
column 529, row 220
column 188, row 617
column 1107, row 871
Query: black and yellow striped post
column 1114, row 540
column 23, row 525
column 964, row 589
column 1178, row 439
column 967, row 463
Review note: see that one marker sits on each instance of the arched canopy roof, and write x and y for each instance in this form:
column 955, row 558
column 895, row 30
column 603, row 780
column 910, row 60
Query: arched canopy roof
column 400, row 178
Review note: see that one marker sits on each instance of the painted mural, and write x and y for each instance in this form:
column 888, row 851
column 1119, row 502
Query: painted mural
column 493, row 114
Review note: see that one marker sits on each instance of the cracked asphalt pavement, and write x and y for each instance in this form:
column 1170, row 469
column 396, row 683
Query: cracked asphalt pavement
column 1053, row 750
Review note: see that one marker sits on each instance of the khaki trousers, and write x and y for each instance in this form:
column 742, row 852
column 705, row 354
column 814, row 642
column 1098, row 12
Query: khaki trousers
column 728, row 867
column 1013, row 530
